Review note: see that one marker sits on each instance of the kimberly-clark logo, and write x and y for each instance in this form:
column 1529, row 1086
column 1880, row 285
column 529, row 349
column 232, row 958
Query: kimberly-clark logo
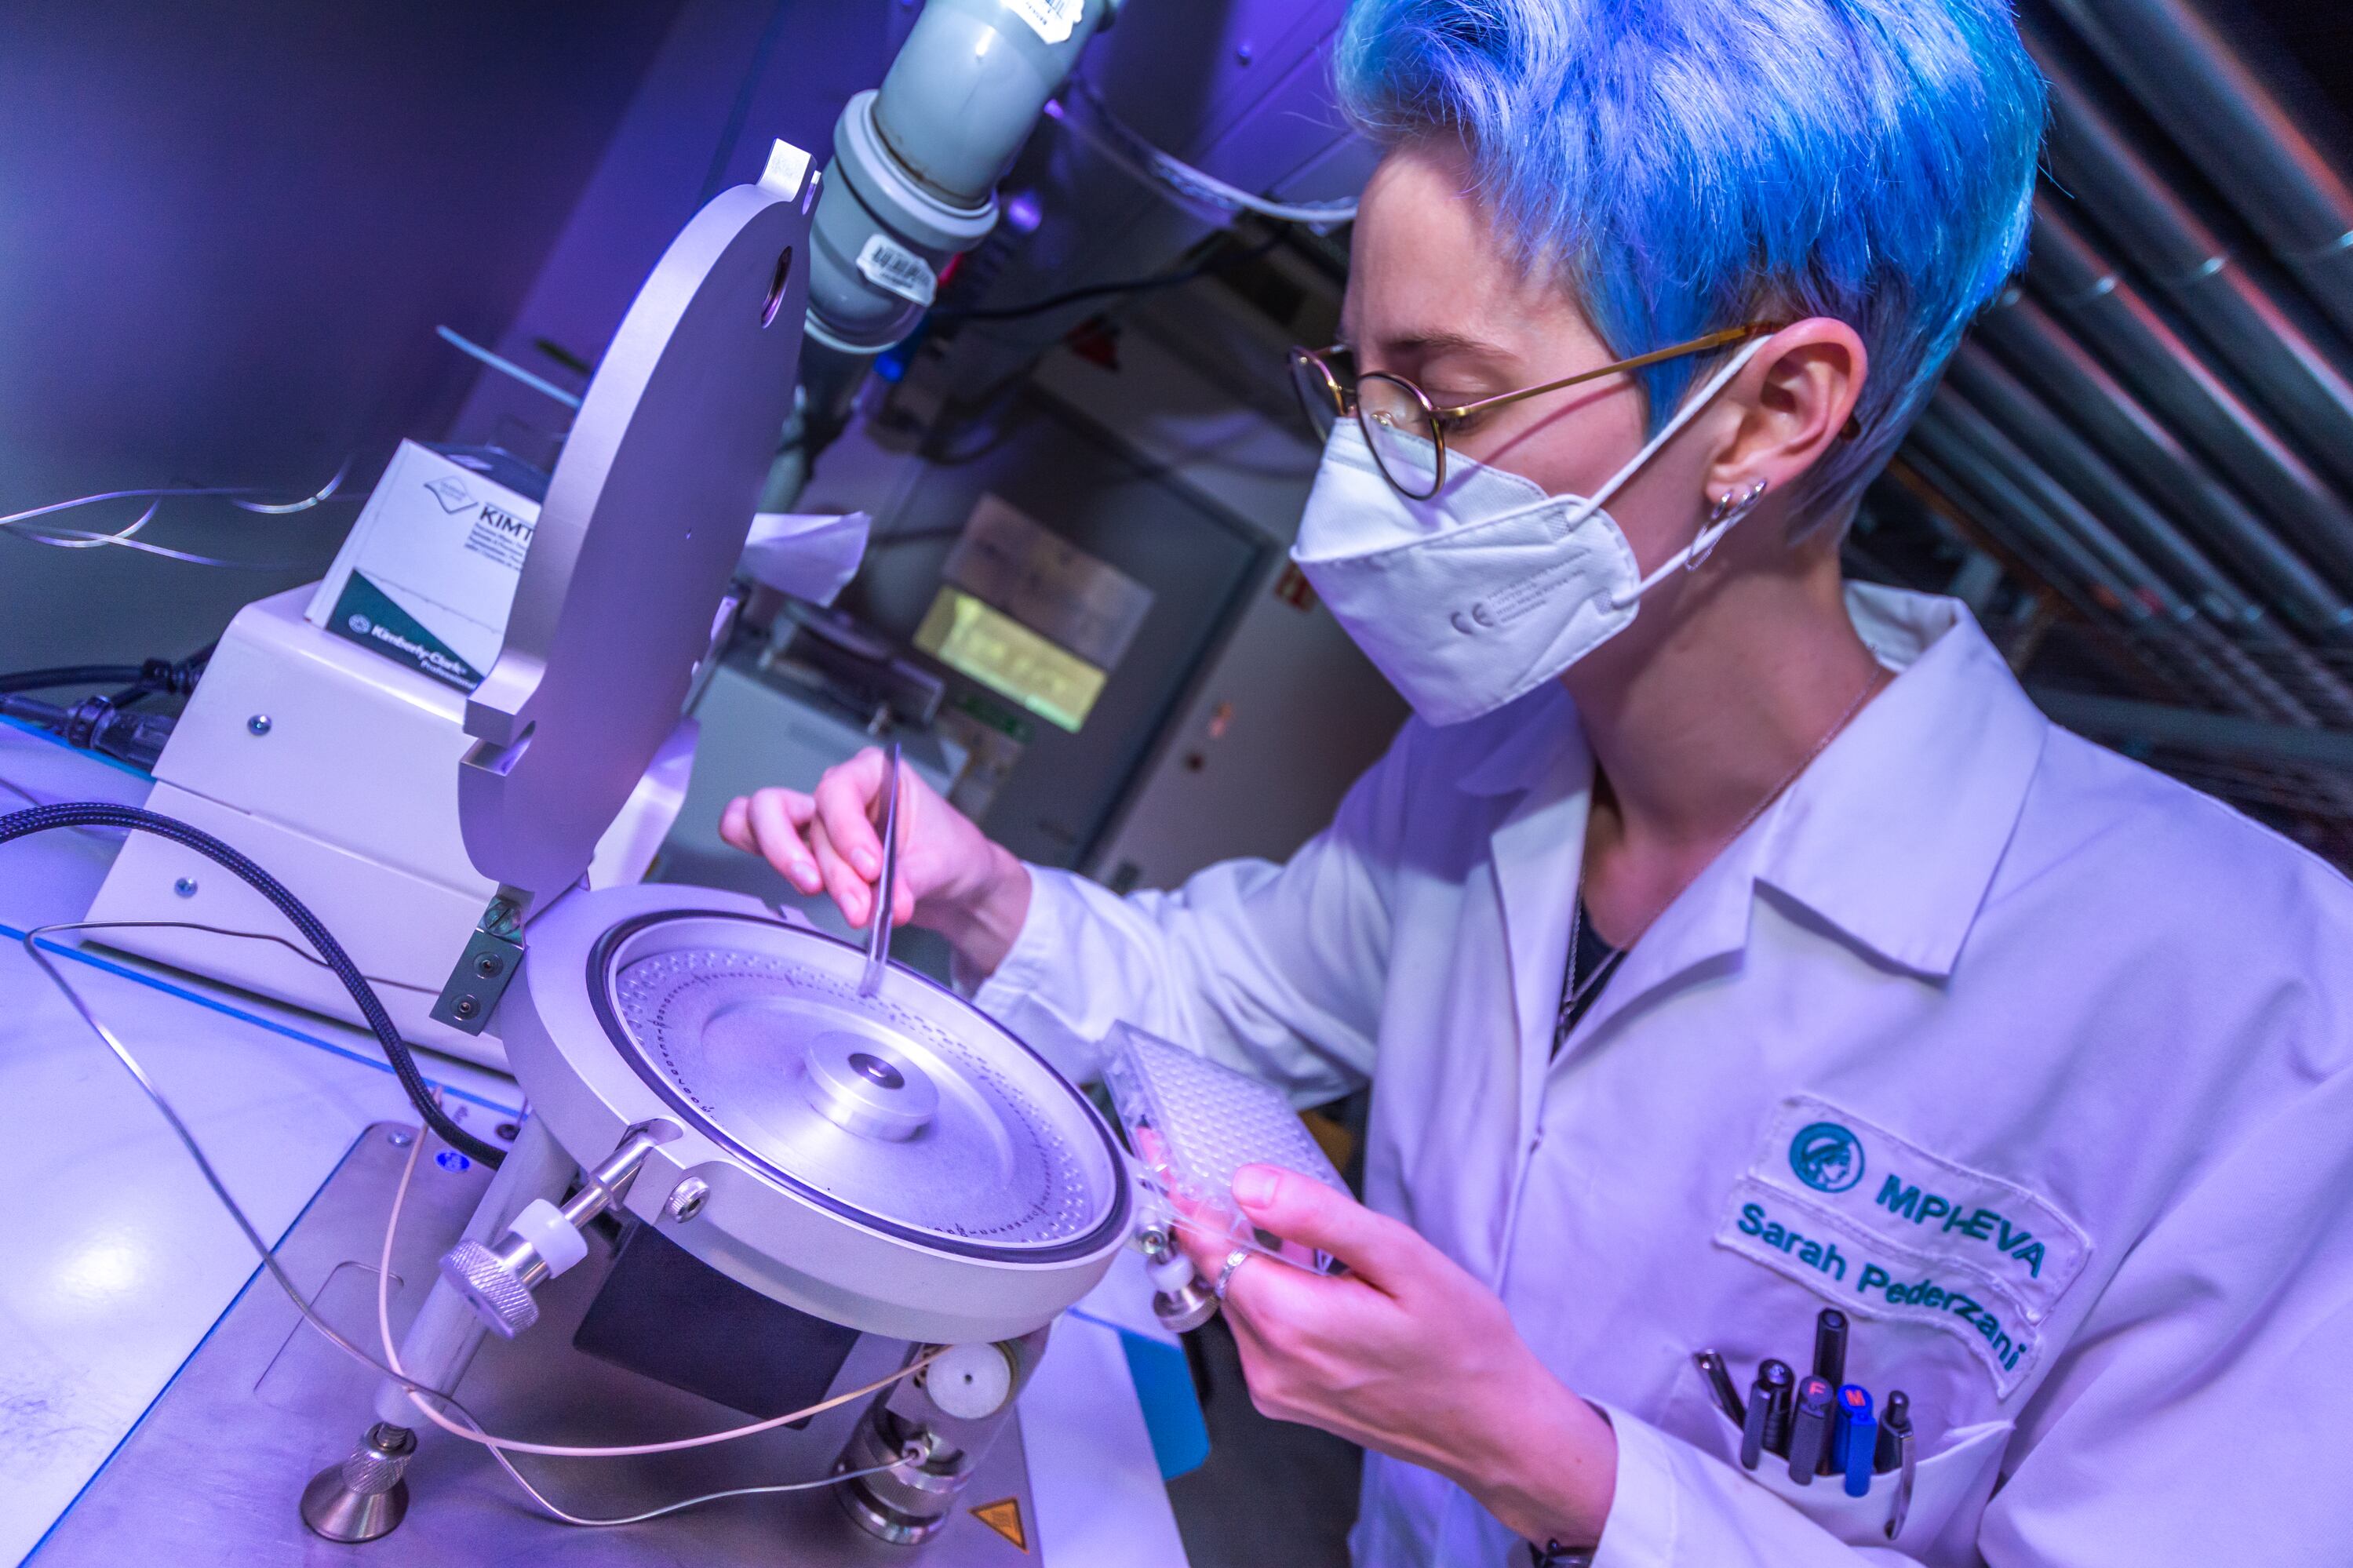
column 451, row 493
column 1826, row 1157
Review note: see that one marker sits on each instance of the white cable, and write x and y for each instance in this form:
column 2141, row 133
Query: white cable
column 281, row 509
column 390, row 1366
column 384, row 1327
column 1173, row 177
column 61, row 538
column 10, row 520
column 476, row 1435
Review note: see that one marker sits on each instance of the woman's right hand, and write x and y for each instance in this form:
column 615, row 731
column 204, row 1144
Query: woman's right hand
column 951, row 877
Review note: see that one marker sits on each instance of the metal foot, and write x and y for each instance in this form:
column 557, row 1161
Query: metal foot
column 365, row 1496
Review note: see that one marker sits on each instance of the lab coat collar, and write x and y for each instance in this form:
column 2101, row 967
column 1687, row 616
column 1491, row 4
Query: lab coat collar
column 1895, row 833
column 1892, row 836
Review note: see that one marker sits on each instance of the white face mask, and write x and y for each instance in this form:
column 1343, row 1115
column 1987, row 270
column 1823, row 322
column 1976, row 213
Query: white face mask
column 1489, row 588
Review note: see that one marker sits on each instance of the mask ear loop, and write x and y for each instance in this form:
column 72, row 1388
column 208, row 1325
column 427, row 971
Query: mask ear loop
column 1719, row 523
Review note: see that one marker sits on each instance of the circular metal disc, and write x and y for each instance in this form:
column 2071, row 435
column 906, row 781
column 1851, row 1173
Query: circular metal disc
column 908, row 1111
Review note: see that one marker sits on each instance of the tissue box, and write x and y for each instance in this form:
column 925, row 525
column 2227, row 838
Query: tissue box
column 428, row 572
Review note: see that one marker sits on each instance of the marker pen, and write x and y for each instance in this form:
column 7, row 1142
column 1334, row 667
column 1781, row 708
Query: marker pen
column 1858, row 1438
column 1829, row 1346
column 1809, row 1431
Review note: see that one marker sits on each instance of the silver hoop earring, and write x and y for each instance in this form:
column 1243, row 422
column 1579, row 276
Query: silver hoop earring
column 1727, row 509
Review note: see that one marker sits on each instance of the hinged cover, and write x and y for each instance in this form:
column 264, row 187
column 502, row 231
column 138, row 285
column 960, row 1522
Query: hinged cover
column 646, row 516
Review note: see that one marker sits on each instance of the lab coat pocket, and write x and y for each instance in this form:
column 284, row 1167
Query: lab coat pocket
column 1958, row 1476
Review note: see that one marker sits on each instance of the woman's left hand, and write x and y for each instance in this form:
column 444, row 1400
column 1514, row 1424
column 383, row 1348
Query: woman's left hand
column 1408, row 1354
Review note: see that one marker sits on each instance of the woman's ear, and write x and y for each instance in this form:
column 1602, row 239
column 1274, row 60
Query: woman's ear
column 1797, row 399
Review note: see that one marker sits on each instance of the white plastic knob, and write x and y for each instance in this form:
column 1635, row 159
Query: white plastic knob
column 1171, row 1274
column 970, row 1381
column 550, row 1236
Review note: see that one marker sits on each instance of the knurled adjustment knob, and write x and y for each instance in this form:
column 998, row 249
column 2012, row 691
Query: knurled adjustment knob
column 492, row 1285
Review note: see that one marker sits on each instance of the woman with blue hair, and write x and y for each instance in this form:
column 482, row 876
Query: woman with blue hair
column 1758, row 957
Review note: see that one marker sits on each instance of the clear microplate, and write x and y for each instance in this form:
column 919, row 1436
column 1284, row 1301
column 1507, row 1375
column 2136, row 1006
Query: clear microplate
column 1193, row 1124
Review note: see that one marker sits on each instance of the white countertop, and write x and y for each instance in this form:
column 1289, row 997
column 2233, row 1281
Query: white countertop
column 115, row 1260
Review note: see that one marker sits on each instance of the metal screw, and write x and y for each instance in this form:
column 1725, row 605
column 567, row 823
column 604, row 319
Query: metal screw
column 467, row 1006
column 489, row 965
column 687, row 1198
column 508, row 1131
column 258, row 724
column 398, row 1138
column 185, row 887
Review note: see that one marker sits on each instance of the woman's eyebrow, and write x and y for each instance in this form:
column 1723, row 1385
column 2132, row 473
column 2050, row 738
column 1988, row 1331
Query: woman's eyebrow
column 1430, row 343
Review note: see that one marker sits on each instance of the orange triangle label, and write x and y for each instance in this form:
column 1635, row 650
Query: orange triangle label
column 1004, row 1516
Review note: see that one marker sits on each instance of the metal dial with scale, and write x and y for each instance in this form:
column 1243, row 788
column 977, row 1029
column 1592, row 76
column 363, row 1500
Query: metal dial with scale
column 900, row 1162
column 907, row 1111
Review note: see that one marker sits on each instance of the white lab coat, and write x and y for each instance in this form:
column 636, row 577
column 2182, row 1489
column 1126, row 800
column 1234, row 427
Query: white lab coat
column 2104, row 1021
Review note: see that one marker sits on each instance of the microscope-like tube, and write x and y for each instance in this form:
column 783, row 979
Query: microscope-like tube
column 913, row 178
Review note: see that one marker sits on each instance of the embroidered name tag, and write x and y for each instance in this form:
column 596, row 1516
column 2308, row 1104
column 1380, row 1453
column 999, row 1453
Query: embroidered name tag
column 1834, row 1159
column 1886, row 1228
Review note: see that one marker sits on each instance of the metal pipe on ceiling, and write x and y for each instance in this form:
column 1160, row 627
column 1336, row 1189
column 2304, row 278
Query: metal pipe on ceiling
column 2085, row 291
column 2290, row 189
column 2174, row 629
column 2257, row 652
column 2044, row 438
column 2091, row 157
column 1949, row 434
column 2052, row 509
column 1937, row 462
column 2132, row 439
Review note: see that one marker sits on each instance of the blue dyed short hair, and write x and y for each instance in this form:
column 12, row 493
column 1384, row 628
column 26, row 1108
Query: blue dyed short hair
column 1685, row 165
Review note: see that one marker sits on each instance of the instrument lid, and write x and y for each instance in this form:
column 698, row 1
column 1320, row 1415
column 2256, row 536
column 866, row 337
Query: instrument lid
column 645, row 520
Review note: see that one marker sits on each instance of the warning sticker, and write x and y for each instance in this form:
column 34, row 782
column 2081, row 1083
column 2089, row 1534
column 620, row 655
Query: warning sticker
column 1004, row 1516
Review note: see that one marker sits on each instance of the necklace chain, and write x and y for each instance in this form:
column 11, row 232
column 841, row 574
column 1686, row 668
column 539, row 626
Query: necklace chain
column 1572, row 994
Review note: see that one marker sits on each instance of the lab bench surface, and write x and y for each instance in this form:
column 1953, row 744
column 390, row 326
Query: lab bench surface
column 116, row 1261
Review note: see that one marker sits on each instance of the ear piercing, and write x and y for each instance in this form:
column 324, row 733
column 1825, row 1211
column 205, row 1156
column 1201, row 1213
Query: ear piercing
column 1730, row 508
column 1727, row 509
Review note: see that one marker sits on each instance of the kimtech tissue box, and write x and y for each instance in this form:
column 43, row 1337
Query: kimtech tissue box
column 428, row 572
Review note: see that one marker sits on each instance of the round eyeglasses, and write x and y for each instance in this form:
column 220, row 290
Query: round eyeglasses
column 1407, row 431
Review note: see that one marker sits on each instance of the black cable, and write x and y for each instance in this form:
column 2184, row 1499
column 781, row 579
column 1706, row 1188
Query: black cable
column 73, row 675
column 1096, row 290
column 98, row 813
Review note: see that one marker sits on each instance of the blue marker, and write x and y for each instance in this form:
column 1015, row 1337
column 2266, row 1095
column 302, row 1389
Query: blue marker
column 1857, row 1440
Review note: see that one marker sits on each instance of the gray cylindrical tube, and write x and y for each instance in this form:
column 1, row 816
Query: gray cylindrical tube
column 442, row 1338
column 2086, row 292
column 969, row 83
column 2092, row 156
column 916, row 162
column 2057, row 449
column 2135, row 440
column 2283, row 180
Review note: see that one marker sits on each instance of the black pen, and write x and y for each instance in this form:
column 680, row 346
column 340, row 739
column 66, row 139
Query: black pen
column 1829, row 1346
column 1809, row 1431
column 1770, row 1393
column 1895, row 1420
column 1719, row 1383
column 1784, row 1394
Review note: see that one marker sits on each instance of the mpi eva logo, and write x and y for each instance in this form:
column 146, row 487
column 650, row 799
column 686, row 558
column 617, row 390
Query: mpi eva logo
column 1826, row 1156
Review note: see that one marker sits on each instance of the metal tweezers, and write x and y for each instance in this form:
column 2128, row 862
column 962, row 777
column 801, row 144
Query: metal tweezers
column 878, row 931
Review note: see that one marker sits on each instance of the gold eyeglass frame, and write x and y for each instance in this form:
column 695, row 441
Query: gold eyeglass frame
column 1346, row 405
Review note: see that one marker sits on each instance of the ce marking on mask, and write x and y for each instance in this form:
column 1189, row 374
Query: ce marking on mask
column 1880, row 1225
